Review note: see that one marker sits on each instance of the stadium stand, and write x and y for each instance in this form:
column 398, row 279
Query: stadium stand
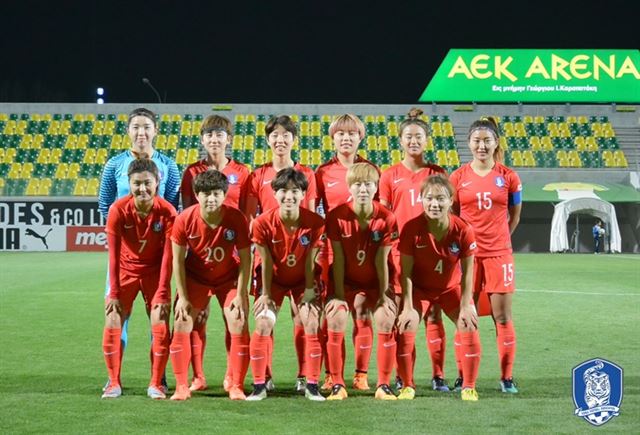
column 62, row 154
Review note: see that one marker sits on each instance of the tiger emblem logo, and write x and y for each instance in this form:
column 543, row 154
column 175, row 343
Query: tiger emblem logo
column 597, row 390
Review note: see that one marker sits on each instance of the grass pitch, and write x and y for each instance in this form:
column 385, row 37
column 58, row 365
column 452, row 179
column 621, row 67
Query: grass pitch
column 568, row 308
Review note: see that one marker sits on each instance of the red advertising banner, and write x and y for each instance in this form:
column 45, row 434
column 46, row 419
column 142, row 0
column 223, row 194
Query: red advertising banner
column 86, row 239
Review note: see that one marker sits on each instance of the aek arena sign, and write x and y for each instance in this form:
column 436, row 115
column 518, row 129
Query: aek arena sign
column 585, row 76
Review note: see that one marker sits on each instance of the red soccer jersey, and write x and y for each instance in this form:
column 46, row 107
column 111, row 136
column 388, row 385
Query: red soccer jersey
column 143, row 239
column 237, row 174
column 288, row 249
column 436, row 264
column 260, row 186
column 400, row 187
column 211, row 252
column 331, row 178
column 361, row 245
column 484, row 204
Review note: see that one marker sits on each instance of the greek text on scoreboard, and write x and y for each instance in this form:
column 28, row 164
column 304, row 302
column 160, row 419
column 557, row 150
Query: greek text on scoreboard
column 51, row 226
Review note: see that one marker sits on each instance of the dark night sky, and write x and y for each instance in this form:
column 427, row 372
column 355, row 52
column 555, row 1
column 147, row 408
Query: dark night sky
column 275, row 51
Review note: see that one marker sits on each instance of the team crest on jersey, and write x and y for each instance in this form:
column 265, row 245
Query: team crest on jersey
column 376, row 236
column 233, row 179
column 500, row 181
column 454, row 248
column 157, row 226
column 597, row 390
column 304, row 240
column 229, row 235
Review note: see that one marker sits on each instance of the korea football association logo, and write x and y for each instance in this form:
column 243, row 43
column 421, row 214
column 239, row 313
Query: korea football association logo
column 376, row 236
column 305, row 240
column 157, row 226
column 233, row 179
column 500, row 182
column 229, row 235
column 597, row 390
column 454, row 248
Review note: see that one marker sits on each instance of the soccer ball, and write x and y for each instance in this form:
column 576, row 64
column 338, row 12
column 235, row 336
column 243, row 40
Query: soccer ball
column 601, row 231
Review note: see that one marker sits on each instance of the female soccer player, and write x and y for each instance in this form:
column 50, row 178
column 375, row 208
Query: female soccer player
column 437, row 267
column 210, row 257
column 287, row 240
column 281, row 133
column 400, row 192
column 347, row 132
column 215, row 135
column 138, row 230
column 142, row 129
column 361, row 234
column 489, row 198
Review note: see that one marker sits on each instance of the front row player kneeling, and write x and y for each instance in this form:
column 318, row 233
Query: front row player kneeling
column 211, row 257
column 433, row 246
column 138, row 230
column 287, row 239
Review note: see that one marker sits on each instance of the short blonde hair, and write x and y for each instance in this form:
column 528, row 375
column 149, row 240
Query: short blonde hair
column 438, row 180
column 362, row 172
column 347, row 121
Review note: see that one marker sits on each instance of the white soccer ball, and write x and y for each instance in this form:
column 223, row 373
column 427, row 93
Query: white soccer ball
column 601, row 231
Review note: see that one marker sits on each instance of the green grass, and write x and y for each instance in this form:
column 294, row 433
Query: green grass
column 569, row 308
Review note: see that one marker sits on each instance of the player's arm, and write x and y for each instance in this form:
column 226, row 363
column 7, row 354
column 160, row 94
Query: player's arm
column 338, row 269
column 406, row 264
column 164, row 284
column 108, row 188
column 115, row 243
column 183, row 306
column 265, row 300
column 514, row 217
column 186, row 190
column 468, row 314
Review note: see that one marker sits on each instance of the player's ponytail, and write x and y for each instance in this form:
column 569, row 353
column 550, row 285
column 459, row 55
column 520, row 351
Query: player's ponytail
column 414, row 118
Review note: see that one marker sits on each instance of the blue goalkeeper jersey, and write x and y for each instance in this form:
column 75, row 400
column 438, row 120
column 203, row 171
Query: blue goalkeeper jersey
column 114, row 183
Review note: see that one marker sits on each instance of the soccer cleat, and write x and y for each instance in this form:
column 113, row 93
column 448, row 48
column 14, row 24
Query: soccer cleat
column 236, row 393
column 407, row 393
column 271, row 387
column 457, row 387
column 198, row 384
column 399, row 383
column 508, row 386
column 156, row 393
column 360, row 382
column 469, row 394
column 227, row 383
column 328, row 383
column 301, row 383
column 439, row 384
column 259, row 393
column 338, row 392
column 312, row 392
column 112, row 392
column 383, row 392
column 182, row 393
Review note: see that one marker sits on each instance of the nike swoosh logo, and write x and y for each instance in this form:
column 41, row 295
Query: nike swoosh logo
column 158, row 354
column 315, row 355
column 508, row 343
column 398, row 180
column 393, row 343
column 332, row 184
column 345, row 235
column 256, row 358
column 404, row 354
column 467, row 183
column 242, row 354
column 195, row 236
column 421, row 246
column 266, row 182
column 365, row 347
column 471, row 355
column 171, row 351
column 128, row 227
column 437, row 340
column 455, row 343
column 109, row 353
column 276, row 241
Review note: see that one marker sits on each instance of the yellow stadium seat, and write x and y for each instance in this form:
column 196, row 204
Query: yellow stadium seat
column 249, row 142
column 396, row 156
column 251, row 117
column 441, row 158
column 74, row 169
column 258, row 157
column 90, row 117
column 260, row 126
column 71, row 142
column 316, row 157
column 27, row 169
column 583, row 120
column 98, row 128
column 56, row 153
column 452, row 158
column 372, row 143
column 193, row 155
column 447, row 129
column 383, row 143
column 304, row 128
column 172, row 143
column 181, row 156
column 392, row 129
column 101, row 156
column 529, row 160
column 43, row 156
column 1, row 155
column 61, row 171
column 45, row 186
column 161, row 142
column 436, row 129
column 38, row 140
column 26, row 141
column 581, row 144
column 89, row 156
column 305, row 156
column 619, row 159
column 546, row 143
column 429, row 146
column 15, row 171
column 238, row 140
column 79, row 188
column 534, row 141
column 33, row 187
column 327, row 143
column 176, row 117
column 363, row 153
column 92, row 187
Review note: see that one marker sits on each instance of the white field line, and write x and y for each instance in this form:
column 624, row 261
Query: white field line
column 567, row 292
